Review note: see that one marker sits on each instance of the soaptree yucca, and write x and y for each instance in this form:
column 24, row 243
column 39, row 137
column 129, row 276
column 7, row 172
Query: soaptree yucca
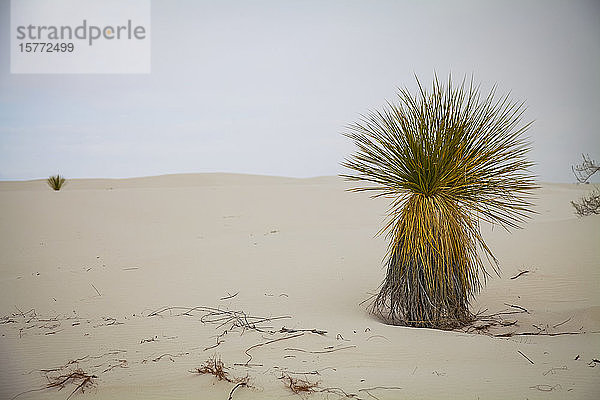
column 449, row 158
column 56, row 182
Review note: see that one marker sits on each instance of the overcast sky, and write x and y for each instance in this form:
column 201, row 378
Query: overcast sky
column 266, row 87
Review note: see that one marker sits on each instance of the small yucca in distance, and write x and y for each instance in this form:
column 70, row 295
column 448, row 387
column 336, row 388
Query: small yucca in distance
column 448, row 158
column 56, row 182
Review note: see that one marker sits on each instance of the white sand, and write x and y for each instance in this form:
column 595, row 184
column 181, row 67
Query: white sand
column 302, row 248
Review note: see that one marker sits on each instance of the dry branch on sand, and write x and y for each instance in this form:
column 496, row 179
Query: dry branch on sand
column 372, row 389
column 520, row 274
column 266, row 343
column 326, row 350
column 316, row 331
column 30, row 322
column 233, row 318
column 81, row 372
column 524, row 355
column 168, row 356
column 546, row 388
column 238, row 385
column 489, row 323
column 77, row 377
column 80, row 378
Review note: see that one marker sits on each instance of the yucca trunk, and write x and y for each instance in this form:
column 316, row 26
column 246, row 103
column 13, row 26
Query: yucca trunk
column 430, row 272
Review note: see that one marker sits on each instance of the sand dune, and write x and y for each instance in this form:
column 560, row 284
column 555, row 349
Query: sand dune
column 82, row 270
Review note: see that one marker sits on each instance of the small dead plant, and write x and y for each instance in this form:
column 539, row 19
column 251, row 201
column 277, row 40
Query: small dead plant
column 214, row 366
column 588, row 205
column 78, row 377
column 299, row 385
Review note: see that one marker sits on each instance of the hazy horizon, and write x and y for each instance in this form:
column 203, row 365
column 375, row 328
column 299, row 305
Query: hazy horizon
column 267, row 87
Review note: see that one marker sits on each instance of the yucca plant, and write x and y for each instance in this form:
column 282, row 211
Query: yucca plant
column 449, row 159
column 56, row 182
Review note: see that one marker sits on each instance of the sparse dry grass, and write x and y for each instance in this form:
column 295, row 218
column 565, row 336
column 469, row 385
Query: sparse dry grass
column 78, row 377
column 214, row 366
column 299, row 385
column 588, row 205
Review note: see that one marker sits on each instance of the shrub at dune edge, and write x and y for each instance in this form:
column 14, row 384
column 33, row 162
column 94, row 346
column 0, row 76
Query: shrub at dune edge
column 56, row 182
column 448, row 159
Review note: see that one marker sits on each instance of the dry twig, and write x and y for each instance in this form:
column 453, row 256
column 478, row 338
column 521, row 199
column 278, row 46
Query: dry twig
column 517, row 307
column 528, row 359
column 95, row 289
column 546, row 388
column 368, row 390
column 330, row 350
column 229, row 296
column 553, row 370
column 562, row 323
column 316, row 331
column 266, row 343
column 240, row 384
column 519, row 274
